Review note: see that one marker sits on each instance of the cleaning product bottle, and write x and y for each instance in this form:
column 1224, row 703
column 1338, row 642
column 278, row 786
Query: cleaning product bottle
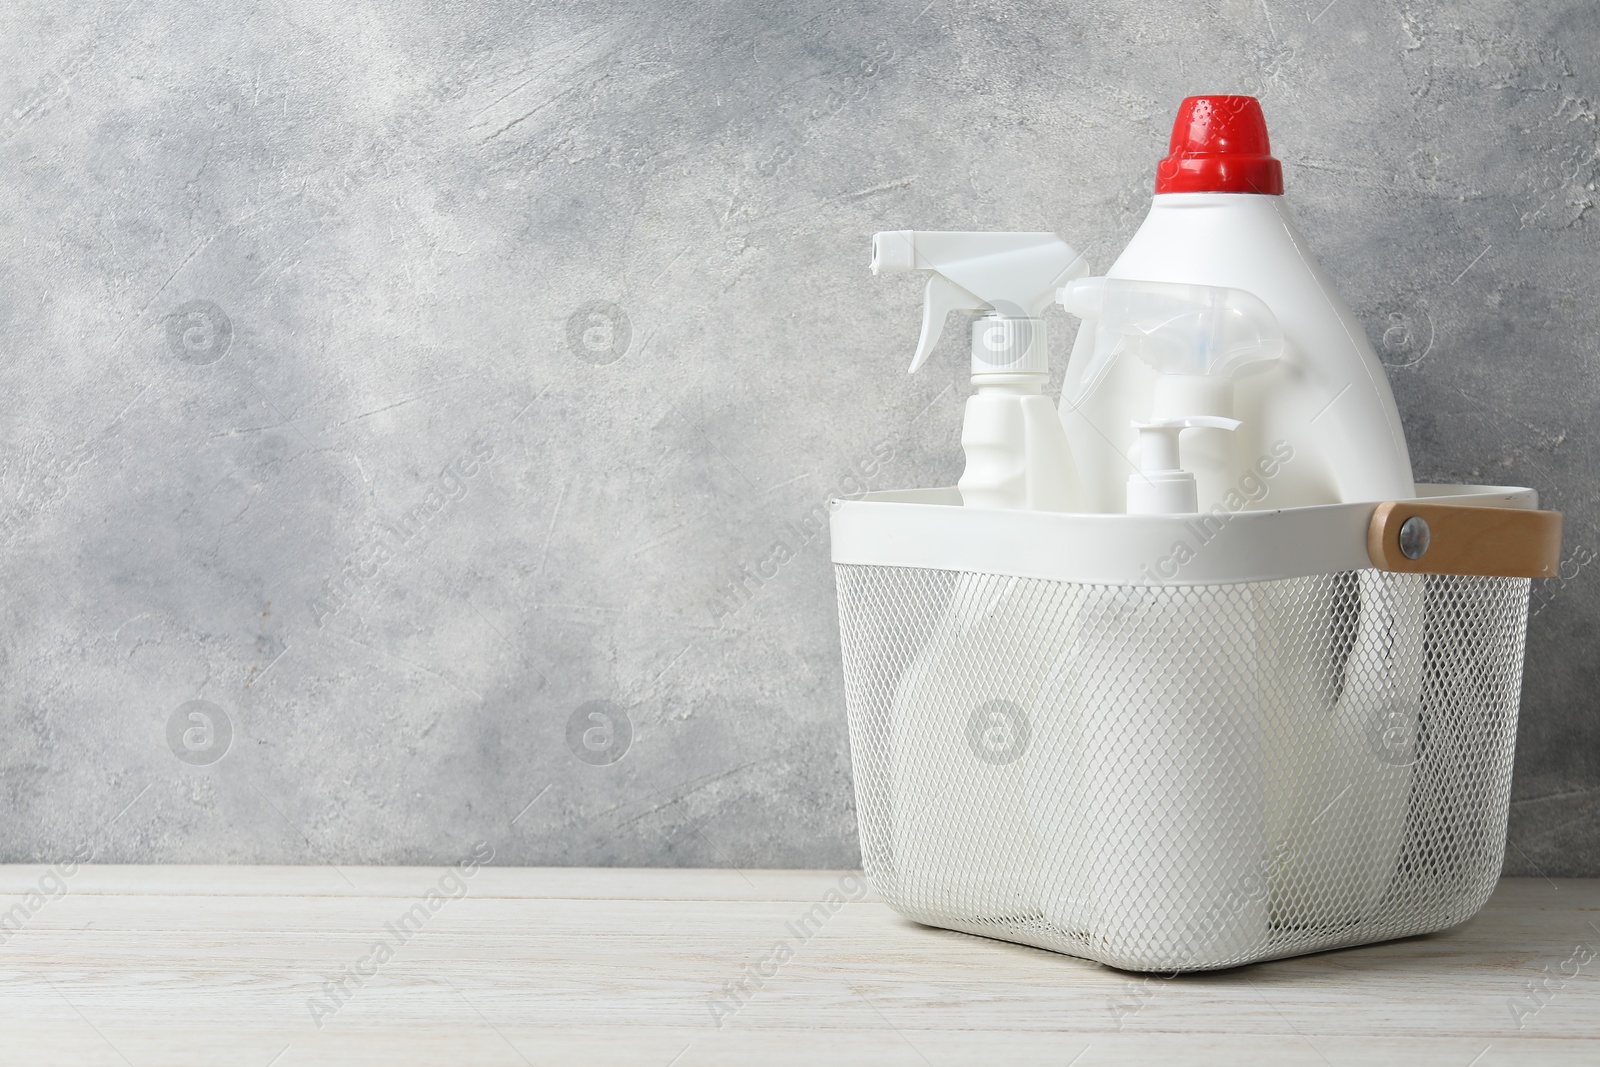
column 1219, row 218
column 1017, row 454
column 962, row 722
column 1154, row 749
column 1198, row 339
column 1347, row 771
column 1173, row 764
column 965, row 730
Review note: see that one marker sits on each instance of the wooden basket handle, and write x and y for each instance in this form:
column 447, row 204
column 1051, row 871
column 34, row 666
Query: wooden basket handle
column 1418, row 538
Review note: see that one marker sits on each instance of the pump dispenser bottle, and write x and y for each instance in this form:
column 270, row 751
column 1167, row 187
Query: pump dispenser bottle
column 1132, row 727
column 1162, row 486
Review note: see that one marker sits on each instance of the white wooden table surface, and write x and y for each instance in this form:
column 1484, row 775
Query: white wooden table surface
column 219, row 966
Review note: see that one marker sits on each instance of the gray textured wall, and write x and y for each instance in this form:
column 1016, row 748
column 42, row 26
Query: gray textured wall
column 528, row 325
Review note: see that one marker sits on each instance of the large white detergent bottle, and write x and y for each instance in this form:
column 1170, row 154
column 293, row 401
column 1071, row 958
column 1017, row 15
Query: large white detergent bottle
column 1218, row 218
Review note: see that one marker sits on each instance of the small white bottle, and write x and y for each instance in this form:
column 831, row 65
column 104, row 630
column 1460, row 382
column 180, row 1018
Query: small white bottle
column 1180, row 747
column 1168, row 781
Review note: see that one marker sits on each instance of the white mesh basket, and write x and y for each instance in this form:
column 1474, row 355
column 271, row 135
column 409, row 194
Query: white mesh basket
column 1181, row 774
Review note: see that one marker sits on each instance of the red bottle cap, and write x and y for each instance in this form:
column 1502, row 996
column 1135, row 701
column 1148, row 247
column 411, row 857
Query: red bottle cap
column 1219, row 145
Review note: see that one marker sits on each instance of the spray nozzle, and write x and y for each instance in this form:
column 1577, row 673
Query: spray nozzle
column 1162, row 486
column 1012, row 276
column 1178, row 329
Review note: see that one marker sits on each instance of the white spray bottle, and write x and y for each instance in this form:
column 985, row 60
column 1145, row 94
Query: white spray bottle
column 1017, row 455
column 1200, row 340
column 963, row 715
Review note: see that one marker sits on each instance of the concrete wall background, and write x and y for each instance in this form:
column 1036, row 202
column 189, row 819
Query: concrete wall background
column 540, row 321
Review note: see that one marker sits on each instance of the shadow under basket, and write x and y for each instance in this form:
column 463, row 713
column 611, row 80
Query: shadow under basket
column 1176, row 743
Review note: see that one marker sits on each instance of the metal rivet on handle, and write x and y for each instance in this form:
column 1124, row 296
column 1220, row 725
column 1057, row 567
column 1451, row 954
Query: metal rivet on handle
column 1414, row 537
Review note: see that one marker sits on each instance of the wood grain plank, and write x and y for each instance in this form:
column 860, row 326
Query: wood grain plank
column 219, row 966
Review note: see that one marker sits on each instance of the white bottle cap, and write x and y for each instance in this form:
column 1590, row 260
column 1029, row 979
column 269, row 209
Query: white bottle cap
column 1002, row 344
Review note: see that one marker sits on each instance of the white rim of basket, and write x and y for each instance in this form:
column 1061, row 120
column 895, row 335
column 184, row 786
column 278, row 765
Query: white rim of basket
column 929, row 528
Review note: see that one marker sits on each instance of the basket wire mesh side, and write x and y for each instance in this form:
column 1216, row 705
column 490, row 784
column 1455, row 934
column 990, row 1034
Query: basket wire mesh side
column 1182, row 777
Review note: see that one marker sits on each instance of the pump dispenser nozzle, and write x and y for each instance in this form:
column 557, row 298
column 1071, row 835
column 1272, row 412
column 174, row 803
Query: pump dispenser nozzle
column 1162, row 486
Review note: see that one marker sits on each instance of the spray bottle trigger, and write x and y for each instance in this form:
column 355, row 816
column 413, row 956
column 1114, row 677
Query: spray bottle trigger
column 942, row 297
